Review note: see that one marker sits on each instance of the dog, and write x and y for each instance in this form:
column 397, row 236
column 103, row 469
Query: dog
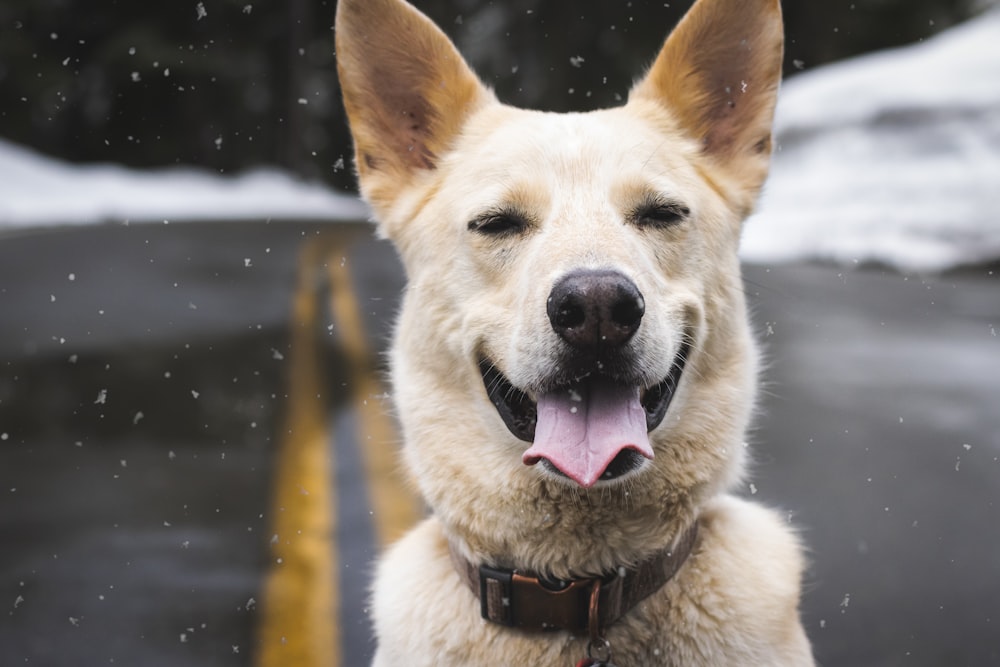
column 572, row 364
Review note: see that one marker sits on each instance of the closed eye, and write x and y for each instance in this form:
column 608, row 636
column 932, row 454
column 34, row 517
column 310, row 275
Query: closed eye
column 658, row 213
column 499, row 222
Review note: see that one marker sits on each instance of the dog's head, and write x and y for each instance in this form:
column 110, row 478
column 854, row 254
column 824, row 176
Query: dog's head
column 574, row 298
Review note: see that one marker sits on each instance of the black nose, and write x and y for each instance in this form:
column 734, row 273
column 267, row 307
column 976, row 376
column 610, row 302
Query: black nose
column 595, row 308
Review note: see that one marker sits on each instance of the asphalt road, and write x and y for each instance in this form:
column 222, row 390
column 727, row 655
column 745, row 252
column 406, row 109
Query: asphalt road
column 196, row 463
column 880, row 435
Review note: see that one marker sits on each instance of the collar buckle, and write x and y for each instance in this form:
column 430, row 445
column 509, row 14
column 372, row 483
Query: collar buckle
column 496, row 595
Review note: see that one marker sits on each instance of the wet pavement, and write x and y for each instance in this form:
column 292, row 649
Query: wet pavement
column 880, row 434
column 195, row 457
column 145, row 400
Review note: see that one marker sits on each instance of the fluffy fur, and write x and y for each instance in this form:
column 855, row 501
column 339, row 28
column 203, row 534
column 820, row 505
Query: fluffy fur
column 436, row 150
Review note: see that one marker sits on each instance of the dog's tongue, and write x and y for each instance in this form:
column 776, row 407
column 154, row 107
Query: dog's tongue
column 580, row 430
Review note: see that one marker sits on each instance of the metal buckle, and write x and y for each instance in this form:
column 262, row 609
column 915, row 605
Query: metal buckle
column 515, row 600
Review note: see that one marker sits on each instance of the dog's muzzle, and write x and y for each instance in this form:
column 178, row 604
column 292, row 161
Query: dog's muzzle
column 592, row 423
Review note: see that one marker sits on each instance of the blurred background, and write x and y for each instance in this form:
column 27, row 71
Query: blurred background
column 196, row 454
column 228, row 84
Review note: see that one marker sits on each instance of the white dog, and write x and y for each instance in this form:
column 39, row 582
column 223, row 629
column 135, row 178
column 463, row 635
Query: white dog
column 572, row 366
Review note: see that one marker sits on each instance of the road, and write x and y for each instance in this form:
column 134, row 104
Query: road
column 197, row 464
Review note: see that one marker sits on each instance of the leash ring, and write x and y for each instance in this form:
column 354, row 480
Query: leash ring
column 599, row 649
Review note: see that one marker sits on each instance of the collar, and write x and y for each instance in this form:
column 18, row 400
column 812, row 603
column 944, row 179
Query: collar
column 581, row 606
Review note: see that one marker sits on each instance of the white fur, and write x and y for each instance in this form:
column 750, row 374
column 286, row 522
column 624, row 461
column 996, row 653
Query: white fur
column 577, row 178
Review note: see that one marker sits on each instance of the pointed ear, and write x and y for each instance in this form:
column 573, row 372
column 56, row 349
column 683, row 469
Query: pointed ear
column 718, row 75
column 406, row 89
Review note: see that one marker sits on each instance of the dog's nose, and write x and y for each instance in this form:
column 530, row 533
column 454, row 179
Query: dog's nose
column 595, row 308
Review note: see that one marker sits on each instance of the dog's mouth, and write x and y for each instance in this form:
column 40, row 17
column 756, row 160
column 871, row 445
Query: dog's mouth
column 595, row 428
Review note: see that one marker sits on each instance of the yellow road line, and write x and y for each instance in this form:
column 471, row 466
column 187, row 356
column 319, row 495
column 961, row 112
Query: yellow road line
column 300, row 609
column 395, row 507
column 300, row 620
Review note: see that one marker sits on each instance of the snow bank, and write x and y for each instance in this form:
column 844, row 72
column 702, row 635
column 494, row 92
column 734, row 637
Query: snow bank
column 37, row 191
column 892, row 157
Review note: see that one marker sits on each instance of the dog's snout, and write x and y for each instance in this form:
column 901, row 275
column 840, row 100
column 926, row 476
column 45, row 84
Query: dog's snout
column 595, row 308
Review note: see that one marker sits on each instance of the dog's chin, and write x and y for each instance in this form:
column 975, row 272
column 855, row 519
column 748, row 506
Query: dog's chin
column 519, row 411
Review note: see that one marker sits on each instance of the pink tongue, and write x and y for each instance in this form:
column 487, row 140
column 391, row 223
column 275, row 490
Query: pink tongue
column 582, row 429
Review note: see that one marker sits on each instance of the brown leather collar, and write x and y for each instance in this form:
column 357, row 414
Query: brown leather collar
column 581, row 606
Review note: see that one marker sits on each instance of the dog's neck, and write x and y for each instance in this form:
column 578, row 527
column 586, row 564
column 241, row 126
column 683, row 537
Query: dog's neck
column 533, row 602
column 550, row 530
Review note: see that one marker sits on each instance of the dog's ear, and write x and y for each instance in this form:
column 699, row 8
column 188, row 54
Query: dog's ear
column 718, row 75
column 406, row 89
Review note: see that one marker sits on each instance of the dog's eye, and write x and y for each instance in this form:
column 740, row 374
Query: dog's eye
column 499, row 223
column 660, row 214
